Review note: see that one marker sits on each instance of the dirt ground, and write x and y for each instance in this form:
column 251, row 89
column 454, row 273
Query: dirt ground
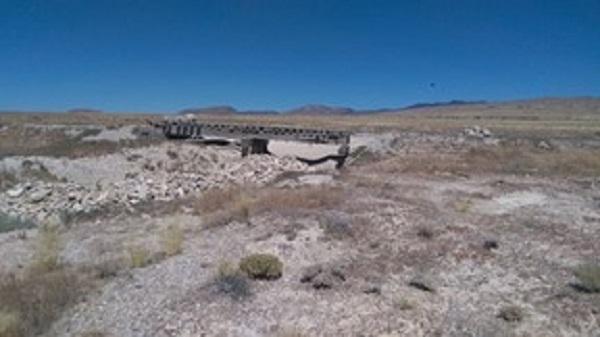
column 422, row 233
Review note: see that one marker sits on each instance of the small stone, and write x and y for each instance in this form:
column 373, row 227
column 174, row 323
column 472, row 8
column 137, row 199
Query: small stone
column 77, row 208
column 40, row 195
column 544, row 145
column 16, row 192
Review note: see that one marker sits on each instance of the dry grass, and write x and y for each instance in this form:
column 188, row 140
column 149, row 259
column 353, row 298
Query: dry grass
column 34, row 141
column 32, row 300
column 337, row 225
column 290, row 332
column 7, row 180
column 217, row 199
column 9, row 324
column 31, row 303
column 527, row 160
column 405, row 304
column 231, row 281
column 307, row 198
column 139, row 256
column 223, row 206
column 511, row 313
column 463, row 205
column 172, row 240
column 589, row 277
column 236, row 209
column 498, row 160
column 93, row 333
column 47, row 249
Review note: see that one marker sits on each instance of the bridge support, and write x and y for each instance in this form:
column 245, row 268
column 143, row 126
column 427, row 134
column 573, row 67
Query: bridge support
column 254, row 146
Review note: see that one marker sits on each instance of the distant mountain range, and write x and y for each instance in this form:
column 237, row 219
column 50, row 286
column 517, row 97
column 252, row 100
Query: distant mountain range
column 318, row 109
column 224, row 110
column 442, row 104
column 84, row 111
column 583, row 105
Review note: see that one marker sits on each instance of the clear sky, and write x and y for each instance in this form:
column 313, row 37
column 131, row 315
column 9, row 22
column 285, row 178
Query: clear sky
column 159, row 56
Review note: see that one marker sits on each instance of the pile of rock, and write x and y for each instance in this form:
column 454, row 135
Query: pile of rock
column 139, row 175
column 38, row 199
column 477, row 132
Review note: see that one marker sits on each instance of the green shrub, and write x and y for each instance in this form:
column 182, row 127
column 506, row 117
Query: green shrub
column 262, row 266
column 589, row 277
column 9, row 223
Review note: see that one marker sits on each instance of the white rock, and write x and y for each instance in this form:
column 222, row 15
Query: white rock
column 544, row 145
column 40, row 195
column 16, row 192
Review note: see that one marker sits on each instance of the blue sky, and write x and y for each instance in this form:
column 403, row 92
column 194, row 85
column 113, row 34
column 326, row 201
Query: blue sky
column 159, row 56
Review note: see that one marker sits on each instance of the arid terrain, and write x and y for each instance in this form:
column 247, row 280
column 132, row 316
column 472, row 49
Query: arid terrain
column 479, row 220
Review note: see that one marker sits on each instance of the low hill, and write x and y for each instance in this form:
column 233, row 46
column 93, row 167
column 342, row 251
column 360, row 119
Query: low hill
column 220, row 110
column 442, row 104
column 533, row 109
column 321, row 110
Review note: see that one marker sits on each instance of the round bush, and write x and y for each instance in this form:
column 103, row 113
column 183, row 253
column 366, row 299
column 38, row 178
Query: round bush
column 262, row 266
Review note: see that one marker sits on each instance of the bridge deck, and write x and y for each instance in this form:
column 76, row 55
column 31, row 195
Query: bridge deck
column 192, row 129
